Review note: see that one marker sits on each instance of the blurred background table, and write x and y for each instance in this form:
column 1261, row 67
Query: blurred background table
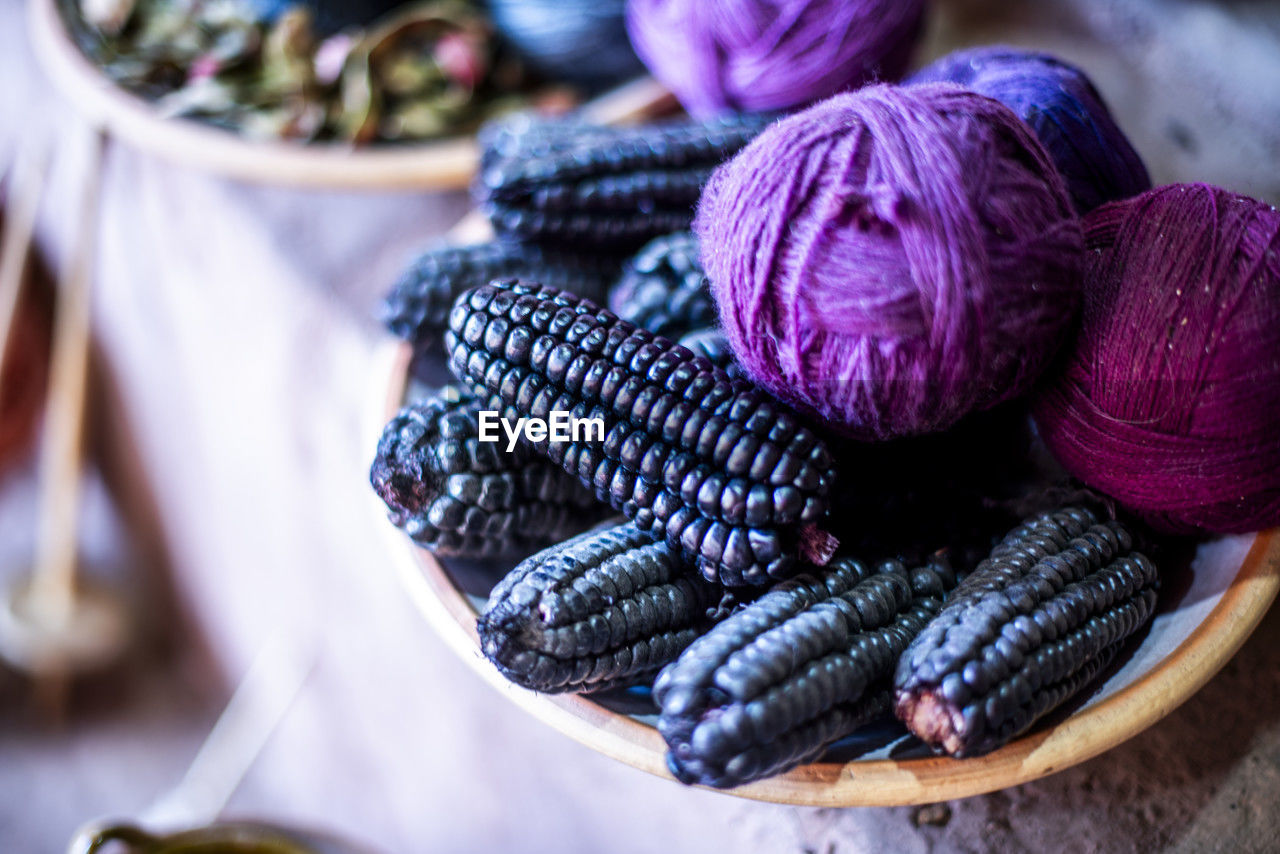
column 243, row 376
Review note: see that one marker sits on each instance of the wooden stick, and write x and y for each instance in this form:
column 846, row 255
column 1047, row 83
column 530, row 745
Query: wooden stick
column 259, row 704
column 15, row 250
column 53, row 584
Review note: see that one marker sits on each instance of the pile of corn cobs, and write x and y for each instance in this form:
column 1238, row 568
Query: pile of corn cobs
column 763, row 637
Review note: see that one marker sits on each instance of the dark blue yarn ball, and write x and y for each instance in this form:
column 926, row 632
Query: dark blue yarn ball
column 579, row 41
column 329, row 16
column 1063, row 108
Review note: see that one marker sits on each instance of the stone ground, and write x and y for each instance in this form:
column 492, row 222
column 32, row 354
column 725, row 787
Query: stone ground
column 210, row 291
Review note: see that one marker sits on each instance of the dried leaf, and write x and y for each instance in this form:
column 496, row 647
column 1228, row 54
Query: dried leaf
column 428, row 69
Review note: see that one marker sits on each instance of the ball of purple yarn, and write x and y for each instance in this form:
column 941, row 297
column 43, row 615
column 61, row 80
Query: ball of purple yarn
column 759, row 55
column 1063, row 108
column 894, row 258
column 1169, row 400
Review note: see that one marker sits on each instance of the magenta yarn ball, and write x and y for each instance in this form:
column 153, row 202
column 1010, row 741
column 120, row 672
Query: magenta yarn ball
column 758, row 55
column 894, row 258
column 1169, row 400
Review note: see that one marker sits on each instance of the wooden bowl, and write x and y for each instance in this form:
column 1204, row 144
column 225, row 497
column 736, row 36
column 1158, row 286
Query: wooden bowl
column 432, row 165
column 1204, row 617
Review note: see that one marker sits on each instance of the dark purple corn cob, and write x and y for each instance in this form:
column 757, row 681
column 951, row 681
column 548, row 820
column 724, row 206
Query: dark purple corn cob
column 417, row 308
column 607, row 609
column 602, row 187
column 664, row 289
column 809, row 662
column 1031, row 626
column 706, row 463
column 527, row 136
column 711, row 345
column 462, row 497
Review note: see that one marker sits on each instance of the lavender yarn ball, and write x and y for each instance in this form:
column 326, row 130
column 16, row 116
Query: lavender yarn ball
column 1063, row 108
column 763, row 55
column 893, row 259
column 1169, row 400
